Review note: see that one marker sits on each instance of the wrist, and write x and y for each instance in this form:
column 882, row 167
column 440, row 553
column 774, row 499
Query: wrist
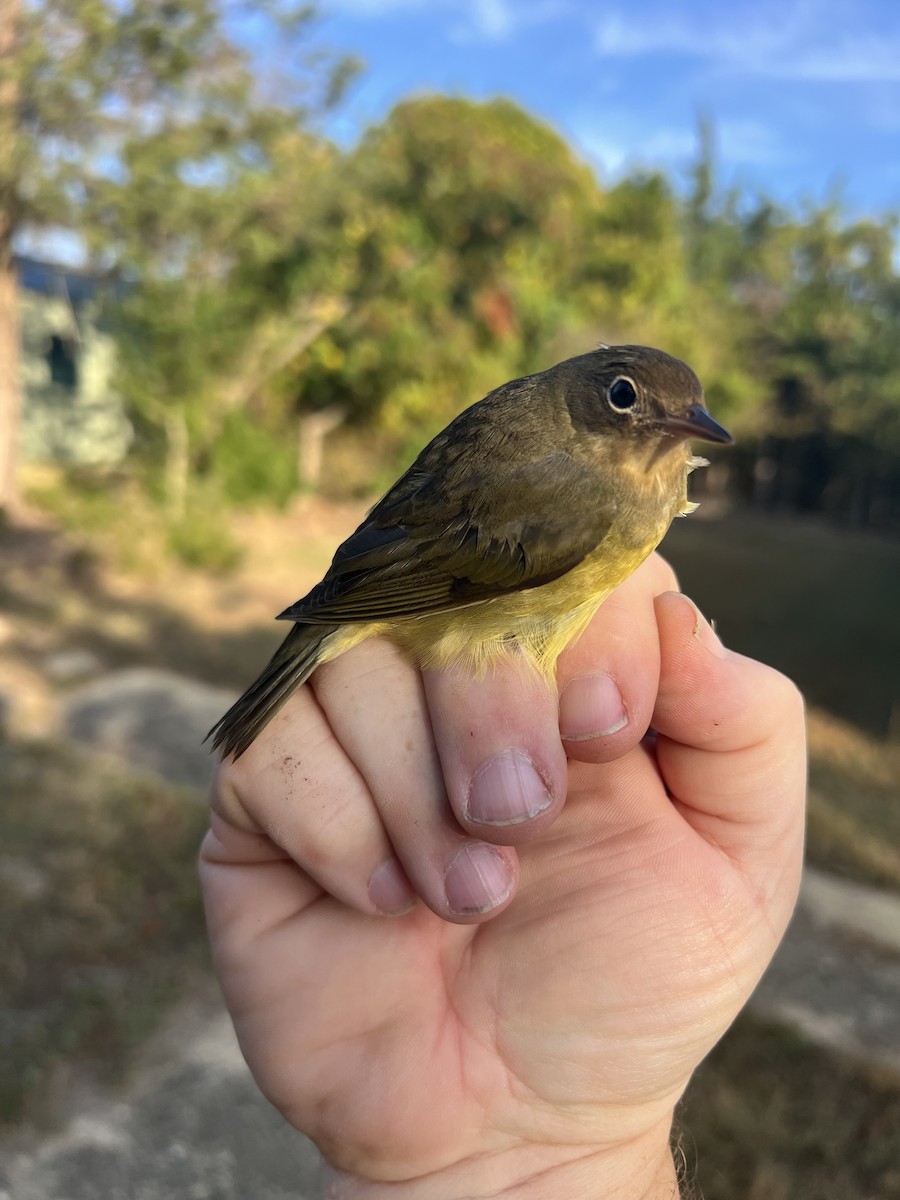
column 641, row 1169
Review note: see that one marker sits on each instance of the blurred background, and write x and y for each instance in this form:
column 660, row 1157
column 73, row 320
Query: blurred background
column 251, row 258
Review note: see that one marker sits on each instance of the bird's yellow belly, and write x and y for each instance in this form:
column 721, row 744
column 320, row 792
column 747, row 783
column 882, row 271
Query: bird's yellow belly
column 539, row 622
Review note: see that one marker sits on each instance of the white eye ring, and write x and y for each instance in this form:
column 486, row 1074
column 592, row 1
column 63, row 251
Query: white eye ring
column 622, row 394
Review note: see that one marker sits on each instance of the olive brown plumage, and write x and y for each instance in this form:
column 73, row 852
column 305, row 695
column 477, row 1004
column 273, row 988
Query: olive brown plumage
column 509, row 529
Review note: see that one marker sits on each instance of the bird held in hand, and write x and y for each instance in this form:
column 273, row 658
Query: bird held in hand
column 510, row 528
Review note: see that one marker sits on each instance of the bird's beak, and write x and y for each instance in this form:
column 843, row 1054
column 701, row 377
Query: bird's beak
column 695, row 422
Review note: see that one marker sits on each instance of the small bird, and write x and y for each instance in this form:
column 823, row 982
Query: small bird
column 508, row 531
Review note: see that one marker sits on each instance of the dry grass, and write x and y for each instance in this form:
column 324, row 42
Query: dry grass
column 100, row 917
column 767, row 1117
column 854, row 802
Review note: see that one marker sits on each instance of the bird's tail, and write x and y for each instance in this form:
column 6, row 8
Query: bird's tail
column 290, row 666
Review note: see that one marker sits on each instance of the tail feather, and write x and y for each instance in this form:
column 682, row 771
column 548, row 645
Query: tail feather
column 290, row 666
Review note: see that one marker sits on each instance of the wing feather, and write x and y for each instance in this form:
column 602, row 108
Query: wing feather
column 439, row 542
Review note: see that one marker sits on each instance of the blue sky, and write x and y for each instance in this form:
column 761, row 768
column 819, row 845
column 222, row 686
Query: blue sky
column 805, row 95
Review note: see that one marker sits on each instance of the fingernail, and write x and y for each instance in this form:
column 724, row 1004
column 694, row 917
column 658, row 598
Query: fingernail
column 705, row 633
column 389, row 889
column 477, row 880
column 505, row 790
column 590, row 706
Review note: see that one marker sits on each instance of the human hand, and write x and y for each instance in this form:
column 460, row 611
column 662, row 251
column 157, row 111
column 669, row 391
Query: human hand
column 539, row 1044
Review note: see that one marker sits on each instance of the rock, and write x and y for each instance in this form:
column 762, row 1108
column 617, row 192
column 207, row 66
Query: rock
column 24, row 879
column 150, row 719
column 196, row 1126
column 868, row 913
column 836, row 976
column 68, row 665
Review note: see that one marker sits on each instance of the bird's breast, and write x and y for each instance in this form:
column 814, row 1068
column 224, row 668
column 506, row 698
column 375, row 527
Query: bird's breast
column 539, row 622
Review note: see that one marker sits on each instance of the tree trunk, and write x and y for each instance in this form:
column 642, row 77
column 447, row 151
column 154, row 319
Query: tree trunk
column 314, row 427
column 10, row 373
column 10, row 383
column 275, row 343
column 178, row 463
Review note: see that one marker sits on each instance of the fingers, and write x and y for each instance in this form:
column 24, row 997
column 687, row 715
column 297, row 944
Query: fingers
column 608, row 679
column 296, row 785
column 497, row 737
column 730, row 746
column 376, row 706
column 346, row 783
column 382, row 787
column 249, row 886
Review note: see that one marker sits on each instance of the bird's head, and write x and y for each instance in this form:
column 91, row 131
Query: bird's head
column 637, row 395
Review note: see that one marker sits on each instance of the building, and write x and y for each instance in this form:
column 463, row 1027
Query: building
column 72, row 414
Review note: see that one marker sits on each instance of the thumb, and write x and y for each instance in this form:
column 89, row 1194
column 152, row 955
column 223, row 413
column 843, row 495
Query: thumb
column 731, row 748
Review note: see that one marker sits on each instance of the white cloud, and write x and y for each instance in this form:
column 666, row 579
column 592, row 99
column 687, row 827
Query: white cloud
column 473, row 20
column 635, row 143
column 374, row 8
column 498, row 20
column 789, row 42
column 621, row 37
column 495, row 19
column 630, row 146
column 856, row 60
column 747, row 142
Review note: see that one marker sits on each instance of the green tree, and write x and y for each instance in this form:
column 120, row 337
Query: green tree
column 10, row 154
column 463, row 221
column 830, row 361
column 478, row 247
column 149, row 129
column 840, row 329
column 808, row 304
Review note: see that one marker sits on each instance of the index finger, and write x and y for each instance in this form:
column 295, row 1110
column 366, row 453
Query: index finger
column 503, row 737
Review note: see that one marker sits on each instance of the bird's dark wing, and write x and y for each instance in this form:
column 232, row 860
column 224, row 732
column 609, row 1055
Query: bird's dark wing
column 433, row 544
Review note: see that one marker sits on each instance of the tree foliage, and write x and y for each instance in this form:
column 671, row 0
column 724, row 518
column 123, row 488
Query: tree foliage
column 274, row 278
column 147, row 130
column 481, row 248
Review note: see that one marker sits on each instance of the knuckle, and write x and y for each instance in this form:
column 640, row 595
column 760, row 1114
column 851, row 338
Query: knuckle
column 661, row 574
column 229, row 784
column 666, row 576
column 791, row 698
column 784, row 701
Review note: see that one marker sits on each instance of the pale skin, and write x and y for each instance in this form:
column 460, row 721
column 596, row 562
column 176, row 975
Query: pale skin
column 526, row 1027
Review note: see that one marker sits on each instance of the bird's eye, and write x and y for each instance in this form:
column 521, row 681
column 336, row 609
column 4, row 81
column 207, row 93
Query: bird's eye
column 621, row 394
